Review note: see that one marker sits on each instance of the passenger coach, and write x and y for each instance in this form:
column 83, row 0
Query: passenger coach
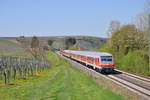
column 99, row 61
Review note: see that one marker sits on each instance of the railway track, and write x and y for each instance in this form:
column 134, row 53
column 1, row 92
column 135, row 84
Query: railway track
column 145, row 79
column 141, row 88
column 139, row 85
column 134, row 82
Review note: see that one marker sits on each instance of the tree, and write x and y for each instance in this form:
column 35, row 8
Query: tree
column 50, row 42
column 70, row 41
column 142, row 18
column 128, row 38
column 142, row 23
column 113, row 26
column 34, row 42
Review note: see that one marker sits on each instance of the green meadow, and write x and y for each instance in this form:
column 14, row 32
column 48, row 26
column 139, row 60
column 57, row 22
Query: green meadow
column 61, row 82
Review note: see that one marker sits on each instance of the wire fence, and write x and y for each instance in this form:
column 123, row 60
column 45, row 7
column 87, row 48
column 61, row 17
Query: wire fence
column 12, row 67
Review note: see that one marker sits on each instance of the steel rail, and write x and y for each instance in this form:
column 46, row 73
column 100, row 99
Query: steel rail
column 135, row 76
column 131, row 86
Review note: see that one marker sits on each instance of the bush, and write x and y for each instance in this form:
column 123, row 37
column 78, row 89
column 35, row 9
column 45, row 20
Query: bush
column 133, row 62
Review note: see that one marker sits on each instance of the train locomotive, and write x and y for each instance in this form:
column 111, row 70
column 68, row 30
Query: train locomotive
column 99, row 61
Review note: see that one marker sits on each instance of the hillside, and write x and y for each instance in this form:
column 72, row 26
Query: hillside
column 82, row 42
column 9, row 46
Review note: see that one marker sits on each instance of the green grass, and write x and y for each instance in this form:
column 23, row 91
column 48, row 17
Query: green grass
column 61, row 82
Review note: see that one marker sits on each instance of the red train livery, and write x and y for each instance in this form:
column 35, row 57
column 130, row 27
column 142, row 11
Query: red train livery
column 100, row 61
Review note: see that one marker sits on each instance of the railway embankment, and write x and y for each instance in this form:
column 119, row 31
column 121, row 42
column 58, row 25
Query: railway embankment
column 129, row 86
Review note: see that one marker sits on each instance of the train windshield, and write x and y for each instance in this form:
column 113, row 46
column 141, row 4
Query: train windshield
column 106, row 59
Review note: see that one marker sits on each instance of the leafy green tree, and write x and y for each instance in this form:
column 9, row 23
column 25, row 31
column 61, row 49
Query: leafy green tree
column 128, row 38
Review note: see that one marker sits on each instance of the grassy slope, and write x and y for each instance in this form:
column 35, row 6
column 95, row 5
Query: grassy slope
column 9, row 47
column 61, row 82
column 9, row 44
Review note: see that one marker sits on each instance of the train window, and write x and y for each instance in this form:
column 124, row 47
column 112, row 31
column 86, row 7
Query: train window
column 90, row 58
column 106, row 59
column 78, row 56
column 96, row 60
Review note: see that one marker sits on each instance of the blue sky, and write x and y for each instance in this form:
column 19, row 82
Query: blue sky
column 64, row 17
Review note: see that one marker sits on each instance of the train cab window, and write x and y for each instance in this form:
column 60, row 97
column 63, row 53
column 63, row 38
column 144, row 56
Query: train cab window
column 106, row 59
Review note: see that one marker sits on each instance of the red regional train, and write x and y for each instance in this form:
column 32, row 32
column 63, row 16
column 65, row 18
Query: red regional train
column 100, row 61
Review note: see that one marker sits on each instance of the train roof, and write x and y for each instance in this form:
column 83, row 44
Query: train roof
column 92, row 53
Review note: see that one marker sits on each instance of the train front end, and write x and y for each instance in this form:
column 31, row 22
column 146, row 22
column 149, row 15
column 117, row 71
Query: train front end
column 107, row 64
